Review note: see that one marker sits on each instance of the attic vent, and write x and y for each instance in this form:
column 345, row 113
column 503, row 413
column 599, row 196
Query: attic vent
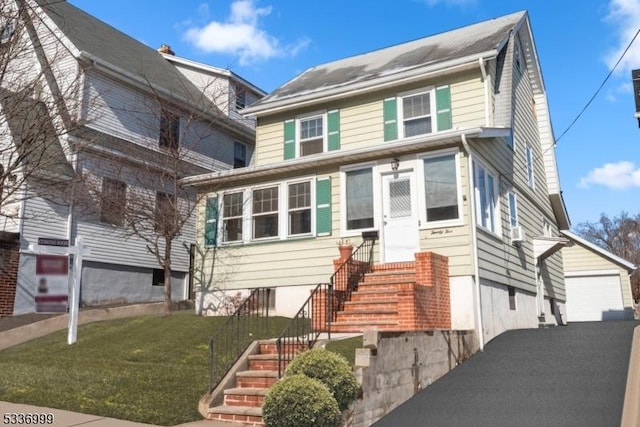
column 165, row 48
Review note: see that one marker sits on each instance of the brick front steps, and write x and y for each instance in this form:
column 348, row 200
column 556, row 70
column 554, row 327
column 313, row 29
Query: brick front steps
column 407, row 296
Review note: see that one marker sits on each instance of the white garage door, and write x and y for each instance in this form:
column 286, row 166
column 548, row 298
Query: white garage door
column 592, row 298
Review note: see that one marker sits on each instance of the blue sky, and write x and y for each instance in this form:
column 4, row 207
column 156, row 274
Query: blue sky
column 269, row 42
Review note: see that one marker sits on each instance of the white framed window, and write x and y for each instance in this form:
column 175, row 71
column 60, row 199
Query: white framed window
column 358, row 198
column 232, row 217
column 299, row 210
column 311, row 135
column 416, row 113
column 441, row 189
column 264, row 216
column 528, row 158
column 546, row 228
column 272, row 211
column 486, row 200
column 513, row 209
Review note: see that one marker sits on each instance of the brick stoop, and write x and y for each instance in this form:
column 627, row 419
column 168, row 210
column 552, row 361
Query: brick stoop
column 403, row 296
column 243, row 404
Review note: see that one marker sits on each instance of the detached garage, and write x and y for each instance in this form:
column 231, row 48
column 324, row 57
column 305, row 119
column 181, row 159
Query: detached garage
column 597, row 282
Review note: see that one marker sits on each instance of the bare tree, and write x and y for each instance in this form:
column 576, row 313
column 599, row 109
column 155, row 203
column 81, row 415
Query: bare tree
column 142, row 196
column 39, row 106
column 619, row 235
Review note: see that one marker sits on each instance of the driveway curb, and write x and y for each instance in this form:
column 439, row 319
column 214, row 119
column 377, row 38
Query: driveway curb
column 631, row 408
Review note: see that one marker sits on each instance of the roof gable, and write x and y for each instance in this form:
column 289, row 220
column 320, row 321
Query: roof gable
column 98, row 39
column 595, row 248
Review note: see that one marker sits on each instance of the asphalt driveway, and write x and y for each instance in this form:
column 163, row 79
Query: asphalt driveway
column 571, row 375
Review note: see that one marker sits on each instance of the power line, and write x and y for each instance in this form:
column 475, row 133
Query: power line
column 600, row 88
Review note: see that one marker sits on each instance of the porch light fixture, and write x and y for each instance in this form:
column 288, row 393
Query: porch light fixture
column 395, row 163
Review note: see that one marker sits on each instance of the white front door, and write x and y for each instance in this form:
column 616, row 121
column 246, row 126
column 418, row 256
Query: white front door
column 400, row 217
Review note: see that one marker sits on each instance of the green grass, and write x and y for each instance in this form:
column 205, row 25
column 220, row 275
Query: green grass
column 346, row 347
column 147, row 369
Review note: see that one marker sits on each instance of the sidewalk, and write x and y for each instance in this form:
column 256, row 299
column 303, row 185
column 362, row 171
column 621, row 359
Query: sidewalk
column 67, row 419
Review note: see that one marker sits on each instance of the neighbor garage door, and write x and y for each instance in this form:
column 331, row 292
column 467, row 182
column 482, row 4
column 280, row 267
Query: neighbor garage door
column 595, row 297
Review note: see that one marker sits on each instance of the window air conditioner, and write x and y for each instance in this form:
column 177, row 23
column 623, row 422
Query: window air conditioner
column 517, row 234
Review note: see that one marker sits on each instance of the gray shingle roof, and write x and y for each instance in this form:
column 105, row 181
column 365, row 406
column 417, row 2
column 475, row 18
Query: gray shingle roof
column 465, row 42
column 102, row 41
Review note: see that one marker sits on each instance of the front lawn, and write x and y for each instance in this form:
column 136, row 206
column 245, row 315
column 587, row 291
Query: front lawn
column 148, row 369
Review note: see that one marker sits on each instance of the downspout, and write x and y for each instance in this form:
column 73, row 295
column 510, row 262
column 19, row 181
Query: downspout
column 474, row 245
column 483, row 70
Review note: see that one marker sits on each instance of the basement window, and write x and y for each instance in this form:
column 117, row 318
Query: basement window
column 512, row 298
column 158, row 277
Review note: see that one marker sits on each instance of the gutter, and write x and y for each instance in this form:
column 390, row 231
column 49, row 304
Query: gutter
column 474, row 245
column 388, row 80
column 367, row 153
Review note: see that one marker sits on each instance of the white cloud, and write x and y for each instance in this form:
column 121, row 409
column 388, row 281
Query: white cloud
column 240, row 35
column 616, row 176
column 624, row 16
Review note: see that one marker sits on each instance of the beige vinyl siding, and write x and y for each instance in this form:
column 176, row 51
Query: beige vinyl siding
column 269, row 141
column 467, row 101
column 361, row 125
column 577, row 258
column 361, row 120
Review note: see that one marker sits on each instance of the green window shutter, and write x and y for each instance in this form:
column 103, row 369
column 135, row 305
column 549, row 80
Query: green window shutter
column 323, row 207
column 289, row 139
column 333, row 129
column 211, row 222
column 443, row 107
column 390, row 114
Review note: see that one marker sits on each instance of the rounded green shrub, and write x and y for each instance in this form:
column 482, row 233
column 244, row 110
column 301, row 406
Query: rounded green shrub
column 330, row 368
column 300, row 401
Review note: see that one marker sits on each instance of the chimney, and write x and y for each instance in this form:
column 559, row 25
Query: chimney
column 165, row 48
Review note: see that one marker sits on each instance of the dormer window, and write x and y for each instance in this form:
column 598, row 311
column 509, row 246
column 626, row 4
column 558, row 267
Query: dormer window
column 169, row 130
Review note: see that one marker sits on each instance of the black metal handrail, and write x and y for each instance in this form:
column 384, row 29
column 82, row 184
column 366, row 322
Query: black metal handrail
column 318, row 312
column 248, row 322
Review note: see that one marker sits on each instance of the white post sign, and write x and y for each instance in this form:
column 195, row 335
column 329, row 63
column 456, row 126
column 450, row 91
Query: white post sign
column 52, row 252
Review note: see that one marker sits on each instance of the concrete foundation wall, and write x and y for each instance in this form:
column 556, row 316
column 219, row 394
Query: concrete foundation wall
column 403, row 364
column 102, row 284
column 497, row 315
column 462, row 303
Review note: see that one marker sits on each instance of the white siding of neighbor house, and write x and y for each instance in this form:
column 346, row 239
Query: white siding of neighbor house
column 578, row 258
column 121, row 112
column 115, row 244
column 44, row 218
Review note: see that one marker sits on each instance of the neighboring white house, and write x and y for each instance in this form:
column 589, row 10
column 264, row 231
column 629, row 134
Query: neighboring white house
column 597, row 281
column 443, row 144
column 135, row 105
